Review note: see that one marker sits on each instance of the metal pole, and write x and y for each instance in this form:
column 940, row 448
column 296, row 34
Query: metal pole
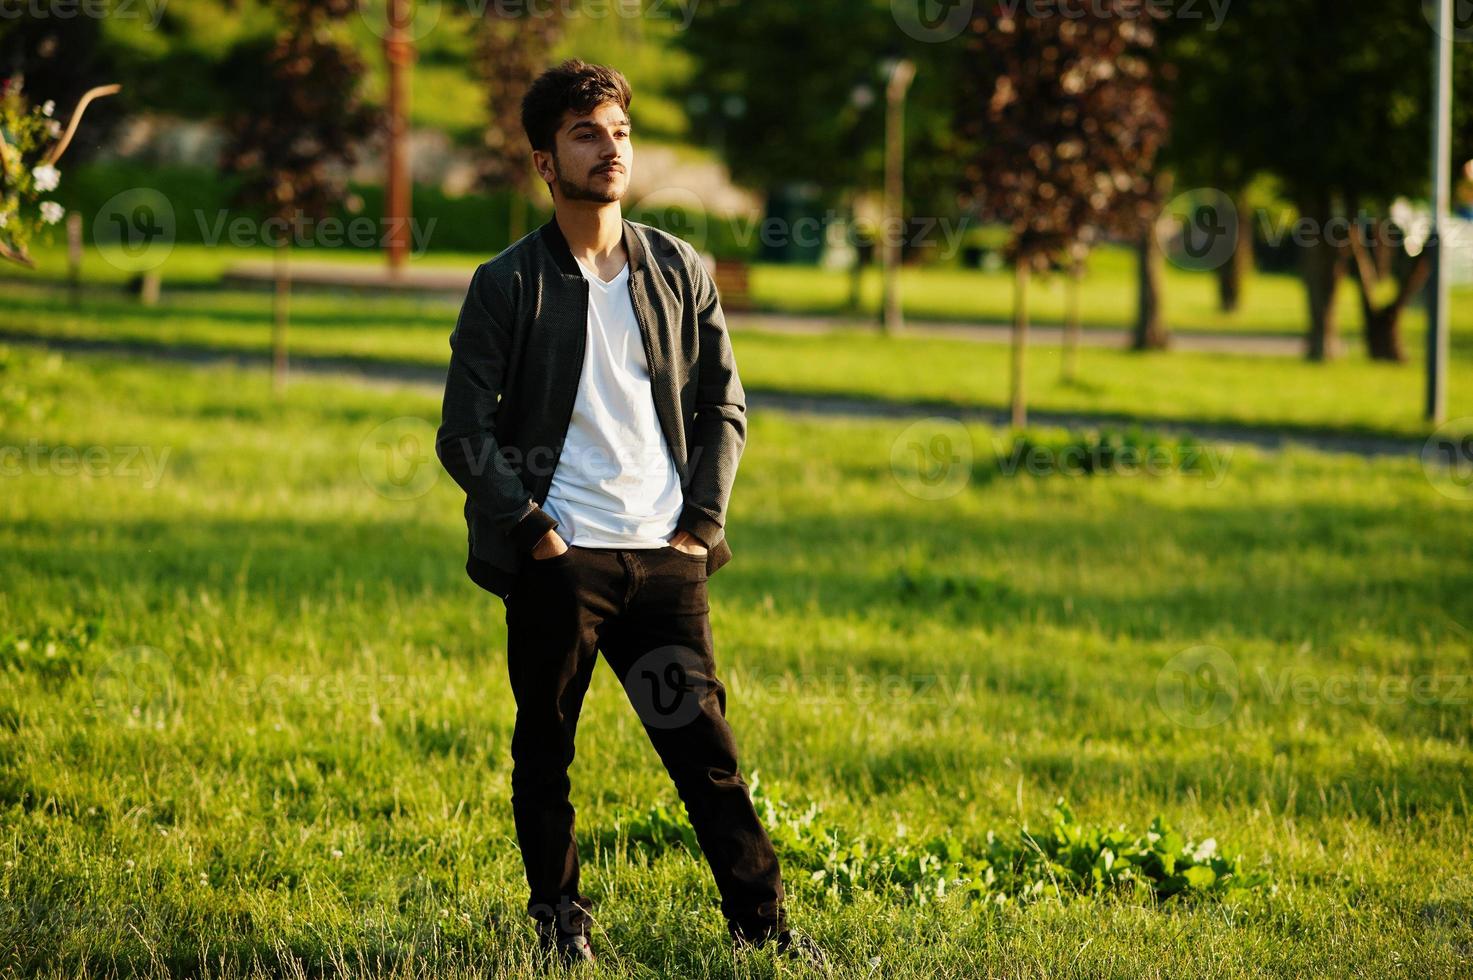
column 1437, row 288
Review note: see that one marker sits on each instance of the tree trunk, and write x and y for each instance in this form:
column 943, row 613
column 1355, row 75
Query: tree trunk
column 1150, row 327
column 1018, row 399
column 279, row 312
column 1322, row 265
column 856, row 270
column 1071, row 319
column 1383, row 323
column 1232, row 273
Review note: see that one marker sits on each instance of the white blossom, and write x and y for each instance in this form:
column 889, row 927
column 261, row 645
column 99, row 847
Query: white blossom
column 51, row 212
column 48, row 107
column 47, row 177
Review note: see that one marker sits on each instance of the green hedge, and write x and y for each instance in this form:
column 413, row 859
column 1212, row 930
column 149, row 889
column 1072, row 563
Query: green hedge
column 476, row 223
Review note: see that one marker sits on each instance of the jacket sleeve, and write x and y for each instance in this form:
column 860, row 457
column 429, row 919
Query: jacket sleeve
column 719, row 430
column 466, row 442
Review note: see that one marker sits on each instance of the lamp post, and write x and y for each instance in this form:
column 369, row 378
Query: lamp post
column 1437, row 287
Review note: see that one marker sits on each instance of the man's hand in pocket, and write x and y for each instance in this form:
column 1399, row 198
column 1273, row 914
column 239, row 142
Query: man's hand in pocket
column 688, row 543
column 550, row 546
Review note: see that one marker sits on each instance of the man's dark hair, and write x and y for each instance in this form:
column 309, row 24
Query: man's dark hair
column 574, row 85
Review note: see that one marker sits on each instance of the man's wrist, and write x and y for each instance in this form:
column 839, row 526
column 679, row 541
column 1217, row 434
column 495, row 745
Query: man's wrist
column 531, row 529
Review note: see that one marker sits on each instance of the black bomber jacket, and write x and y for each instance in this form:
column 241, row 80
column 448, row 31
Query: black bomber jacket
column 515, row 363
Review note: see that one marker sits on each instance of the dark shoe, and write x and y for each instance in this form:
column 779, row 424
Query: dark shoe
column 566, row 948
column 795, row 947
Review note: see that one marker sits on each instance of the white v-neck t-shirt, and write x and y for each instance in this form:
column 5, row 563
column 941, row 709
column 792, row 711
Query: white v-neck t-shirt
column 615, row 485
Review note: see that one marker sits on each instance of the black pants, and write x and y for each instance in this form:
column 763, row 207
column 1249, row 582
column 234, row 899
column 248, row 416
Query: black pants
column 646, row 610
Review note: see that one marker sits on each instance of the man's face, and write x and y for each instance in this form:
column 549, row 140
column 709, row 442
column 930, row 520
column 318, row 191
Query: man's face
column 592, row 156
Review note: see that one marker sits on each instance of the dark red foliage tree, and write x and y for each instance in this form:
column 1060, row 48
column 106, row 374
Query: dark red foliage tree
column 1063, row 123
column 513, row 45
column 296, row 123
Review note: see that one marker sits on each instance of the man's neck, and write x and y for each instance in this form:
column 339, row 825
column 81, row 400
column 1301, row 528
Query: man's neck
column 595, row 235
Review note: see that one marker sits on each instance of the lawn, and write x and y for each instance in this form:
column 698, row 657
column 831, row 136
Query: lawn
column 1350, row 395
column 253, row 718
column 1273, row 303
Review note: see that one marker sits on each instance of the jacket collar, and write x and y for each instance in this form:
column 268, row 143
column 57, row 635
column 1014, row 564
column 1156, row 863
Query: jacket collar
column 557, row 244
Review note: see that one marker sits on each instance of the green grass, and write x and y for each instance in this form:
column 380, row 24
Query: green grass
column 252, row 711
column 1272, row 303
column 1351, row 395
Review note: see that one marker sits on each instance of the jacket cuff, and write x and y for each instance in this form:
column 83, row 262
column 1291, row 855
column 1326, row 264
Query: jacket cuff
column 530, row 529
column 699, row 523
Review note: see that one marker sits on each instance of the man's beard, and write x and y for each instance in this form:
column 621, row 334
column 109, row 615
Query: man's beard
column 600, row 194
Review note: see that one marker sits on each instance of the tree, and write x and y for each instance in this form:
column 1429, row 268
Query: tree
column 297, row 121
column 1336, row 104
column 1214, row 140
column 831, row 134
column 512, row 47
column 1064, row 124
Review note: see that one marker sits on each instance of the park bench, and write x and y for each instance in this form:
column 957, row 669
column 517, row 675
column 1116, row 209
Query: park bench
column 732, row 285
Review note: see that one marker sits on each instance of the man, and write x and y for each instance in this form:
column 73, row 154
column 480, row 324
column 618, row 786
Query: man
column 594, row 417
